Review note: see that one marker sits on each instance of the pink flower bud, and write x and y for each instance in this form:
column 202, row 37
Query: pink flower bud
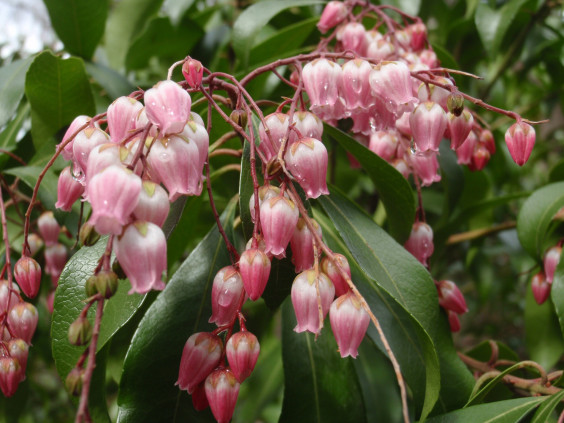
column 254, row 266
column 226, row 296
column 28, row 276
column 35, row 243
column 201, row 354
column 122, row 114
column 466, row 150
column 22, row 320
column 141, row 252
column 380, row 50
column 307, row 160
column 520, row 140
column 48, row 228
column 540, row 287
column 353, row 37
column 551, row 260
column 19, row 350
column 428, row 123
column 199, row 399
column 333, row 14
column 168, row 107
column 83, row 144
column 273, row 134
column 55, row 259
column 222, row 390
column 322, row 81
column 302, row 245
column 197, row 133
column 392, row 82
column 305, row 299
column 329, row 268
column 278, row 219
column 480, row 157
column 349, row 322
column 418, row 33
column 103, row 156
column 308, row 124
column 68, row 190
column 450, row 297
column 356, row 89
column 193, row 71
column 174, row 161
column 420, row 242
column 153, row 205
column 8, row 297
column 266, row 192
column 453, row 321
column 384, row 143
column 78, row 122
column 487, row 138
column 242, row 352
column 10, row 375
column 429, row 58
column 425, row 166
column 113, row 194
column 459, row 128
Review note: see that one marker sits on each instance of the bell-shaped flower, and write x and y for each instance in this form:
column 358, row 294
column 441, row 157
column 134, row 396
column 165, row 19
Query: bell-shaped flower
column 242, row 351
column 333, row 14
column 153, row 205
column 425, row 166
column 356, row 89
column 10, row 375
column 349, row 322
column 306, row 301
column 353, row 37
column 113, row 194
column 450, row 297
column 222, row 390
column 550, row 261
column 141, row 252
column 254, row 266
column 459, row 128
column 28, row 276
column 420, row 242
column 22, row 320
column 322, row 81
column 466, row 150
column 77, row 123
column 308, row 125
column 68, row 190
column 392, row 82
column 167, row 107
column 384, row 144
column 197, row 133
column 434, row 93
column 227, row 295
column 83, row 144
column 278, row 219
column 272, row 134
column 428, row 123
column 122, row 115
column 266, row 192
column 19, row 349
column 487, row 138
column 480, row 157
column 55, row 259
column 307, row 160
column 520, row 140
column 8, row 296
column 201, row 354
column 332, row 271
column 302, row 245
column 49, row 228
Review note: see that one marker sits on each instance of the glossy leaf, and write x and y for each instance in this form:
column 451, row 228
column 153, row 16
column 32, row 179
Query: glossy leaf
column 113, row 82
column 407, row 281
column 509, row 411
column 78, row 23
column 127, row 20
column 182, row 309
column 536, row 215
column 547, row 408
column 57, row 103
column 319, row 386
column 12, row 85
column 394, row 190
column 251, row 21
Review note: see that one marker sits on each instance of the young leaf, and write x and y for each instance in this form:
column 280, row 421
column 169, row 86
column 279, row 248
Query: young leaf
column 536, row 215
column 319, row 385
column 179, row 311
column 12, row 84
column 78, row 23
column 250, row 22
column 394, row 190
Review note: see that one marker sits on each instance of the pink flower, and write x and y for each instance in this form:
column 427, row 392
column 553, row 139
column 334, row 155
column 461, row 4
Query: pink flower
column 122, row 115
column 356, row 86
column 201, row 354
column 550, row 261
column 305, row 300
column 349, row 322
column 307, row 160
column 10, row 375
column 334, row 13
column 153, row 205
column 384, row 143
column 466, row 150
column 425, row 166
column 195, row 132
column 113, row 194
column 453, row 321
column 459, row 128
column 428, row 123
column 141, row 252
column 541, row 288
column 450, row 297
column 83, row 144
column 329, row 268
column 22, row 320
column 168, row 107
column 322, row 81
column 28, row 276
column 222, row 390
column 272, row 136
column 226, row 296
column 48, row 228
column 392, row 81
column 68, row 190
column 55, row 259
column 254, row 266
column 242, row 352
column 520, row 140
column 353, row 37
column 302, row 245
column 278, row 219
column 193, row 71
column 75, row 124
column 420, row 242
column 308, row 125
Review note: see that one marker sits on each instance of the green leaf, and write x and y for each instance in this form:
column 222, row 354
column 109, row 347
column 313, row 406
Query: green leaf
column 180, row 310
column 557, row 293
column 251, row 21
column 78, row 23
column 407, row 281
column 547, row 408
column 9, row 134
column 410, row 7
column 543, row 337
column 12, row 85
column 57, row 90
column 161, row 39
column 113, row 82
column 493, row 24
column 127, row 20
column 319, row 385
column 509, row 411
column 479, row 395
column 394, row 190
column 536, row 215
column 48, row 188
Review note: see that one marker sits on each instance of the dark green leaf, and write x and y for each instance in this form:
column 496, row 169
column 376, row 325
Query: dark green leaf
column 547, row 408
column 536, row 215
column 181, row 309
column 282, row 274
column 543, row 336
column 113, row 82
column 58, row 90
column 12, row 85
column 127, row 20
column 394, row 190
column 9, row 134
column 509, row 411
column 251, row 21
column 78, row 23
column 479, row 395
column 161, row 39
column 319, row 386
column 557, row 293
column 406, row 280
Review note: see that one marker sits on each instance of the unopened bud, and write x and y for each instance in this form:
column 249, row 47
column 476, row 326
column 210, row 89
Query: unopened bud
column 106, row 283
column 193, row 72
column 74, row 381
column 239, row 116
column 88, row 235
column 90, row 286
column 80, row 331
column 455, row 104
